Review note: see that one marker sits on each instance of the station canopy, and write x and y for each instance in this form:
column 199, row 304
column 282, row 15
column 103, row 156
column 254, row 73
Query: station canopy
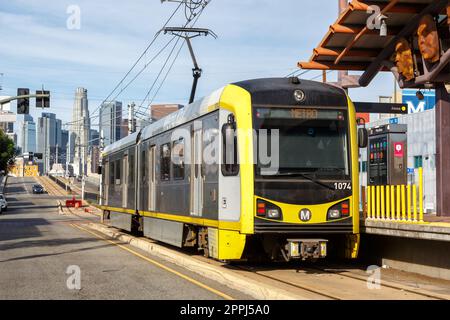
column 368, row 35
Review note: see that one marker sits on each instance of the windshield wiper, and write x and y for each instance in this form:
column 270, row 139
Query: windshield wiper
column 303, row 175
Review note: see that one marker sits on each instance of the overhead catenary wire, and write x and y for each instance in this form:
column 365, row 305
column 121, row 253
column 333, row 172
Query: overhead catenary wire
column 138, row 111
column 163, row 81
column 189, row 20
column 320, row 75
column 133, row 66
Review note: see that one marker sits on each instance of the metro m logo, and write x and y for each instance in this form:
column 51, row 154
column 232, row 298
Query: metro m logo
column 305, row 215
column 413, row 109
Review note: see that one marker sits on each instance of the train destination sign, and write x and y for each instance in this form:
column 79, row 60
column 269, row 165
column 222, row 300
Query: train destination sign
column 299, row 113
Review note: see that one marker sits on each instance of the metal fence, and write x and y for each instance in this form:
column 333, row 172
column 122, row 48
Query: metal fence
column 401, row 203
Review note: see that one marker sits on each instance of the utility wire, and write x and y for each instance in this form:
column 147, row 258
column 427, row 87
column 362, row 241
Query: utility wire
column 294, row 73
column 197, row 17
column 134, row 65
column 138, row 111
column 161, row 84
column 320, row 75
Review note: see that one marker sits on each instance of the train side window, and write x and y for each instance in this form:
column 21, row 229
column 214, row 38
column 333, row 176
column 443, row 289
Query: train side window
column 230, row 166
column 112, row 172
column 131, row 170
column 143, row 165
column 178, row 159
column 118, row 175
column 165, row 162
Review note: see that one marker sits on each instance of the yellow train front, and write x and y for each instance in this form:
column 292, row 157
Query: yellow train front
column 260, row 168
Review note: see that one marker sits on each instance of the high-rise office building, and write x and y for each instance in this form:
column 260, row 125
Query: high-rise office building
column 26, row 132
column 63, row 148
column 95, row 138
column 111, row 121
column 80, row 127
column 48, row 139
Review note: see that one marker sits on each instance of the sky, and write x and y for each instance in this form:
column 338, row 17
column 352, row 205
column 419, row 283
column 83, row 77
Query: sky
column 40, row 45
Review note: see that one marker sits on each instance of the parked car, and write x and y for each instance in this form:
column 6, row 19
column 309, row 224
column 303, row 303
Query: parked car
column 38, row 189
column 3, row 202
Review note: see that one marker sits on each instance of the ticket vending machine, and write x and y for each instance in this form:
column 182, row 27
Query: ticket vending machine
column 387, row 155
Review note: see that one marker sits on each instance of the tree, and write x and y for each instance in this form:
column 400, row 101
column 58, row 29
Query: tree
column 7, row 150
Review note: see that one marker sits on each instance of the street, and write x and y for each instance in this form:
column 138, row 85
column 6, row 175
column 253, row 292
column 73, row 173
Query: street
column 40, row 249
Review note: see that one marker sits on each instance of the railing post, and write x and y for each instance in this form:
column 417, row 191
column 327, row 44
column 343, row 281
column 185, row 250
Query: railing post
column 382, row 203
column 369, row 203
column 421, row 194
column 378, row 202
column 398, row 200
column 392, row 202
column 415, row 202
column 364, row 201
column 373, row 202
column 388, row 202
column 408, row 201
column 403, row 203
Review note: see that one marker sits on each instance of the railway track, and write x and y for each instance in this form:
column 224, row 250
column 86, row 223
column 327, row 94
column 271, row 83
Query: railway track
column 360, row 277
column 320, row 293
column 336, row 285
column 50, row 187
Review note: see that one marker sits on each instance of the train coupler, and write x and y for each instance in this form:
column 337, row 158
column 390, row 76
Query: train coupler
column 305, row 249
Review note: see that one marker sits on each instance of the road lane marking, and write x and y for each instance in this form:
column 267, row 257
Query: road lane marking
column 204, row 286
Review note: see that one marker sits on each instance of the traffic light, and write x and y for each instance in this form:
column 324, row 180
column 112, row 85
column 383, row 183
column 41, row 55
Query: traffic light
column 43, row 102
column 23, row 104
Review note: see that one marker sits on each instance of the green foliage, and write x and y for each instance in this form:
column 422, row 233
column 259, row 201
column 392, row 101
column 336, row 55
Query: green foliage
column 7, row 150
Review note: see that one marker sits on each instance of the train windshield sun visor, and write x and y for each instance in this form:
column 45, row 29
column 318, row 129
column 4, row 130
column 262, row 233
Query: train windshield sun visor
column 311, row 143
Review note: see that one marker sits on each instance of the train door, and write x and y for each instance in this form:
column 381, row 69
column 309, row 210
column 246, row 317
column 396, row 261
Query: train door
column 125, row 182
column 152, row 179
column 196, row 173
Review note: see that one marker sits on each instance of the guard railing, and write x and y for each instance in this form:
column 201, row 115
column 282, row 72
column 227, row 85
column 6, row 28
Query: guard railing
column 395, row 203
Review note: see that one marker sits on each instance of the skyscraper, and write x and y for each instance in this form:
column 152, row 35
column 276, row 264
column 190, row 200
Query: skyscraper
column 80, row 132
column 26, row 131
column 111, row 121
column 48, row 139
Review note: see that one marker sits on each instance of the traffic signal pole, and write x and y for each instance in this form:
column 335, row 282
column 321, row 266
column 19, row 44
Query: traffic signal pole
column 28, row 96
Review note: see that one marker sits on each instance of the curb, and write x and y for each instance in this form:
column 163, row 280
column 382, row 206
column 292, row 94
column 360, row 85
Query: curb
column 225, row 277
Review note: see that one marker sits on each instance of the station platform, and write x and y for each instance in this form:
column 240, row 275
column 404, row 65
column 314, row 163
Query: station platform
column 418, row 247
column 439, row 230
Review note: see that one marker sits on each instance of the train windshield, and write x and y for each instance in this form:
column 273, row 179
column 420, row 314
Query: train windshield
column 311, row 142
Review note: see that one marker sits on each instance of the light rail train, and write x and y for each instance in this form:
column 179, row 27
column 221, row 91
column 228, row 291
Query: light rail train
column 304, row 204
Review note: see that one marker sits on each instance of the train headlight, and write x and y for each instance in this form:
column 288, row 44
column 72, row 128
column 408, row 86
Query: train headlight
column 334, row 214
column 341, row 210
column 268, row 210
column 273, row 214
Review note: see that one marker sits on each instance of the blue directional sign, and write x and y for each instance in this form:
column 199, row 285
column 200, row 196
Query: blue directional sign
column 414, row 104
column 393, row 121
column 410, row 170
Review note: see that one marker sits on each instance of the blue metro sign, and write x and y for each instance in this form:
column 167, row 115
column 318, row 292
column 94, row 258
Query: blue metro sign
column 414, row 104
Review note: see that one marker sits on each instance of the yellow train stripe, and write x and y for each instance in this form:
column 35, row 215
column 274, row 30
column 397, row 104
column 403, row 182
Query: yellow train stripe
column 160, row 265
column 226, row 225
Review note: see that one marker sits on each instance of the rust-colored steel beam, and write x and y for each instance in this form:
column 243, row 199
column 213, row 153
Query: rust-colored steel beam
column 334, row 52
column 355, row 29
column 385, row 10
column 314, row 65
column 402, row 8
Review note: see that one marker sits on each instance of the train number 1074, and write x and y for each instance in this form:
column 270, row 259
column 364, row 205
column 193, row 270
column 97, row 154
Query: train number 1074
column 342, row 186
